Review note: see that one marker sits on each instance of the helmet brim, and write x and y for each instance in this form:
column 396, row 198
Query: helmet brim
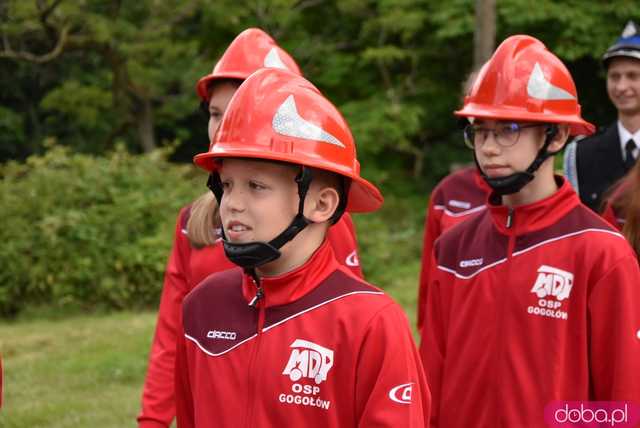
column 577, row 125
column 202, row 87
column 363, row 195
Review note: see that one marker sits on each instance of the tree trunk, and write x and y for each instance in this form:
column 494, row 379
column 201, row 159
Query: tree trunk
column 484, row 37
column 144, row 121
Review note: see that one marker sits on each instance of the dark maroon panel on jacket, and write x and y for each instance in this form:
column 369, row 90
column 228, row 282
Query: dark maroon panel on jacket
column 579, row 219
column 218, row 318
column 459, row 192
column 471, row 246
column 216, row 315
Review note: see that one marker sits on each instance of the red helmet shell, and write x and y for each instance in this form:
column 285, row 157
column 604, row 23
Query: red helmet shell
column 524, row 81
column 251, row 50
column 280, row 116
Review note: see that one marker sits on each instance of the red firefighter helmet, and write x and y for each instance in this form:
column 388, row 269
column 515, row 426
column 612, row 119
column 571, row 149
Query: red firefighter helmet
column 524, row 81
column 280, row 116
column 251, row 50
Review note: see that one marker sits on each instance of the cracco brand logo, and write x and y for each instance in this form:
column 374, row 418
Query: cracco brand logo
column 308, row 360
column 553, row 282
column 460, row 204
column 227, row 335
column 471, row 262
column 401, row 393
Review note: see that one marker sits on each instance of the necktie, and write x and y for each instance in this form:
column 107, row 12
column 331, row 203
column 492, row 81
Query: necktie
column 629, row 160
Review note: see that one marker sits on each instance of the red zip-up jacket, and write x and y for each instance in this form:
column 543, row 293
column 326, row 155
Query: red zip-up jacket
column 458, row 196
column 187, row 267
column 530, row 305
column 322, row 348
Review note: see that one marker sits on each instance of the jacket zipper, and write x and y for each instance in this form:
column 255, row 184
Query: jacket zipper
column 510, row 247
column 510, row 216
column 259, row 303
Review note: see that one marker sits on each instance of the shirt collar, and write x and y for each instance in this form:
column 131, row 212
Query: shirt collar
column 626, row 136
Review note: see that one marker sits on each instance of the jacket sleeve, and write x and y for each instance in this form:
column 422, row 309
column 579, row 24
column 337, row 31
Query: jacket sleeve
column 433, row 348
column 432, row 231
column 184, row 398
column 342, row 237
column 614, row 320
column 391, row 389
column 158, row 403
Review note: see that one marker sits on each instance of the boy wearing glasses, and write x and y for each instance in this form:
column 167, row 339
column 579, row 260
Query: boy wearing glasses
column 535, row 299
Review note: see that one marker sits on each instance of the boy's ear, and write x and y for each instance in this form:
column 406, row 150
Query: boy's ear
column 324, row 203
column 560, row 139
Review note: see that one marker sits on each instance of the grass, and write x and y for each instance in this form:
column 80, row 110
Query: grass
column 82, row 371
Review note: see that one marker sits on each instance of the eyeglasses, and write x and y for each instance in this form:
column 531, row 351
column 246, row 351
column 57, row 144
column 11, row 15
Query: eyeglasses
column 505, row 134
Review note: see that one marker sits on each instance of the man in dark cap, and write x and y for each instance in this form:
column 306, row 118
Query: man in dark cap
column 598, row 161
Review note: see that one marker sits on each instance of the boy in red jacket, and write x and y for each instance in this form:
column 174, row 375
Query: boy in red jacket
column 197, row 251
column 293, row 339
column 536, row 299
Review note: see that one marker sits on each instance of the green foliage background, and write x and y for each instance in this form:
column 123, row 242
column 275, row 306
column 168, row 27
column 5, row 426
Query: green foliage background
column 88, row 232
column 87, row 218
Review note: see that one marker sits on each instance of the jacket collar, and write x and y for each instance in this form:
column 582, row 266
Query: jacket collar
column 292, row 285
column 537, row 215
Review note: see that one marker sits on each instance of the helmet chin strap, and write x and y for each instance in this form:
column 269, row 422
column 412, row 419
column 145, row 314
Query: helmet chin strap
column 513, row 183
column 251, row 255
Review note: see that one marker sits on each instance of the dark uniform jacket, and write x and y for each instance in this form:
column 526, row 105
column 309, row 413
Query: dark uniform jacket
column 593, row 164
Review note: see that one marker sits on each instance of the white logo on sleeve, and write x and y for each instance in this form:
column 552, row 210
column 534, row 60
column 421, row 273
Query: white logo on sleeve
column 401, row 393
column 539, row 87
column 273, row 60
column 552, row 286
column 352, row 259
column 287, row 121
column 308, row 360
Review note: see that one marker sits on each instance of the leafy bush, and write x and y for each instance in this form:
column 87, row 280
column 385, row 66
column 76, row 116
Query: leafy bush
column 87, row 232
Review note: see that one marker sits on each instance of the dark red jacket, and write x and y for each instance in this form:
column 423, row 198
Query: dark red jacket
column 530, row 305
column 322, row 349
column 186, row 268
column 458, row 196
